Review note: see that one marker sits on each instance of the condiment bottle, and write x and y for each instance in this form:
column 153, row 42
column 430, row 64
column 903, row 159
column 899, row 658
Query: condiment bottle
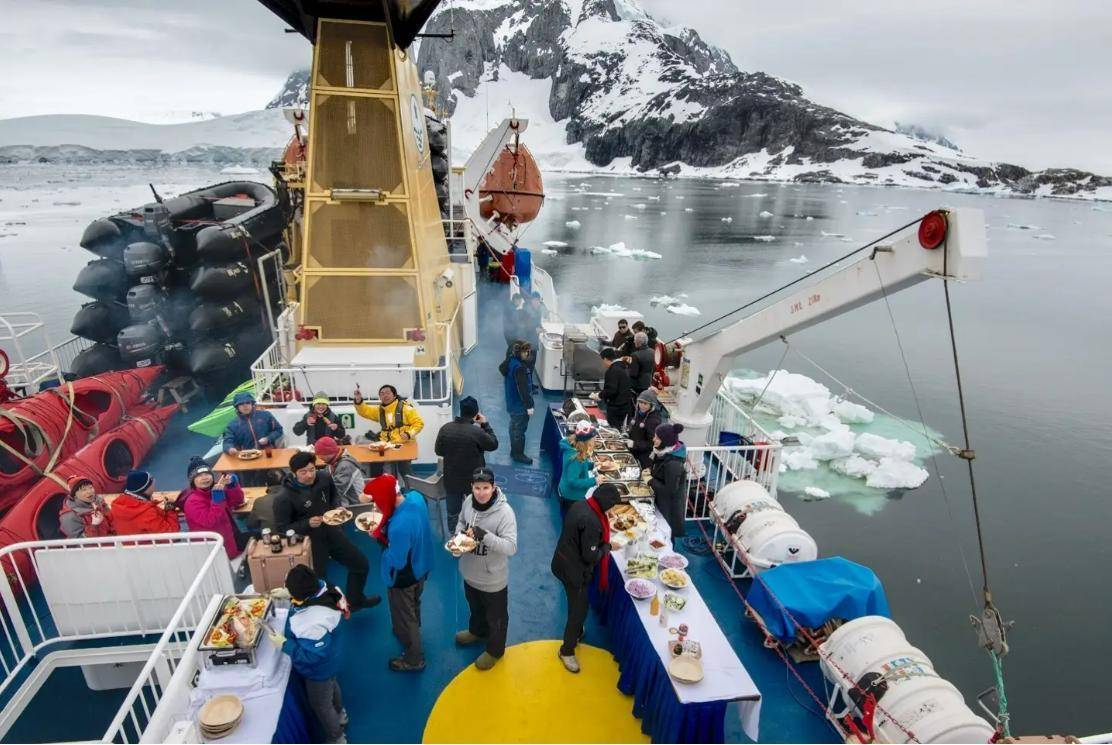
column 654, row 607
column 291, row 537
column 664, row 615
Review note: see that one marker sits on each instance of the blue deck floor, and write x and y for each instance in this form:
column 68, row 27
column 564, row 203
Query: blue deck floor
column 391, row 707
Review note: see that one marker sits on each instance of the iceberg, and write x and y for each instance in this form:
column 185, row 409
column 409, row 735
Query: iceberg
column 555, row 244
column 875, row 446
column 801, row 259
column 817, row 493
column 896, row 474
column 765, row 214
column 764, row 238
column 683, row 309
column 573, row 224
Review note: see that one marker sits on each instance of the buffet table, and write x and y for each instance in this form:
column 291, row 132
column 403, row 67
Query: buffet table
column 671, row 711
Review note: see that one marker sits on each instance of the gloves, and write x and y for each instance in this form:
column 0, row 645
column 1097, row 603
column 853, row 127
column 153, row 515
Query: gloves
column 628, row 443
column 98, row 517
column 478, row 533
column 276, row 639
column 529, row 412
column 217, row 496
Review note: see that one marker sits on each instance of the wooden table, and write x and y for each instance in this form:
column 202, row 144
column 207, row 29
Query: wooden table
column 280, row 458
column 250, row 494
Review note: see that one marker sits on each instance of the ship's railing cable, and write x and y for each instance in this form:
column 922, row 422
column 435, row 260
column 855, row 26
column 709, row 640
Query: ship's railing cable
column 799, row 279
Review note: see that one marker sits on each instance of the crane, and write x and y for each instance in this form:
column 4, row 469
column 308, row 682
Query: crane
column 945, row 244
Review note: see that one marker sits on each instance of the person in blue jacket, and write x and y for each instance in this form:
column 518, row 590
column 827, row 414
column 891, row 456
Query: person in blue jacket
column 518, row 372
column 312, row 639
column 576, row 478
column 252, row 428
column 406, row 562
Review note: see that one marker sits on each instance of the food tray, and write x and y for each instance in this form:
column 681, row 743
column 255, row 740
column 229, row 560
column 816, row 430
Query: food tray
column 611, row 445
column 626, row 474
column 623, row 459
column 241, row 652
column 609, row 433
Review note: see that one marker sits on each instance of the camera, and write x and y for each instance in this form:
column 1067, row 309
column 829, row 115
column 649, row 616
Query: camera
column 446, row 277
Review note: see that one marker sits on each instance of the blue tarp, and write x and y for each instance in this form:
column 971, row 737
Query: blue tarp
column 813, row 592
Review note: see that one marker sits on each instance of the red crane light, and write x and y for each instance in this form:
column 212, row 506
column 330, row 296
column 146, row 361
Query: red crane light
column 932, row 229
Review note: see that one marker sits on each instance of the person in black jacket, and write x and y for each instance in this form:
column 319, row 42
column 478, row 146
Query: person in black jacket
column 617, row 391
column 319, row 421
column 669, row 476
column 629, row 347
column 583, row 544
column 622, row 336
column 647, row 416
column 462, row 444
column 642, row 363
column 513, row 318
column 306, row 494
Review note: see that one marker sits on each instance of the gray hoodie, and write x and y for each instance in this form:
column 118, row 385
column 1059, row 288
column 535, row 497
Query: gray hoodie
column 487, row 568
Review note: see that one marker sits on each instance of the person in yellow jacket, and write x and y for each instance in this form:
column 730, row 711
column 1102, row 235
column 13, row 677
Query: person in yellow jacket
column 397, row 418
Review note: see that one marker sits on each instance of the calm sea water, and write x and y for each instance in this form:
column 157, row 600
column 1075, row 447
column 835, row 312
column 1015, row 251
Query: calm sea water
column 1035, row 348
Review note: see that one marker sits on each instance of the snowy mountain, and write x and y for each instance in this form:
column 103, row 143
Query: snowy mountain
column 924, row 134
column 294, row 94
column 606, row 87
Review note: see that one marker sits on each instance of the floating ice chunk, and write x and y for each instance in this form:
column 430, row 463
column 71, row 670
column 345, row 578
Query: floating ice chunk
column 831, row 235
column 876, row 446
column 609, row 308
column 654, row 199
column 801, row 259
column 680, row 196
column 817, row 493
column 755, row 196
column 640, row 253
column 688, row 209
column 765, row 214
column 630, row 217
column 1021, row 226
column 555, row 244
column 573, row 224
column 851, row 413
column 846, row 239
column 808, row 218
column 728, row 185
column 600, row 250
column 683, row 309
column 866, row 213
column 663, row 300
column 549, row 251
column 639, row 206
column 896, row 474
column 66, row 204
column 663, row 212
column 799, row 459
column 854, row 466
column 727, row 219
column 682, row 294
column 764, row 238
column 637, row 188
column 1045, row 237
column 837, row 444
column 606, row 194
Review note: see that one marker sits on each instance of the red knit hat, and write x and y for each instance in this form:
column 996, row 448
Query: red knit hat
column 74, row 482
column 326, row 448
column 383, row 491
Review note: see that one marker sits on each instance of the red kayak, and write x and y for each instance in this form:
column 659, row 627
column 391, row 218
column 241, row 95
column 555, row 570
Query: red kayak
column 105, row 461
column 50, row 426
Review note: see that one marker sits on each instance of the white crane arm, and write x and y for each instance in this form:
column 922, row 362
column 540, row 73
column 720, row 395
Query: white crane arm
column 893, row 265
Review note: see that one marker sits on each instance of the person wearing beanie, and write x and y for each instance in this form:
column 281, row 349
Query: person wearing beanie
column 617, row 392
column 584, row 544
column 209, row 503
column 406, row 560
column 319, row 421
column 305, row 495
column 84, row 513
column 252, row 428
column 577, row 476
column 138, row 512
column 487, row 518
column 463, row 444
column 647, row 416
column 346, row 472
column 668, row 468
column 313, row 640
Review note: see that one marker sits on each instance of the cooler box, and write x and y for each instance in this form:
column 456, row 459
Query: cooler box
column 269, row 570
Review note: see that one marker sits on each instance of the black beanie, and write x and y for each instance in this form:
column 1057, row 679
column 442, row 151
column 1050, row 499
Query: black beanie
column 607, row 496
column 301, row 459
column 302, row 582
column 197, row 466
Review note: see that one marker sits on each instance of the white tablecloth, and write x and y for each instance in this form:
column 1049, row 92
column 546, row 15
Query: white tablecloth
column 724, row 677
column 262, row 690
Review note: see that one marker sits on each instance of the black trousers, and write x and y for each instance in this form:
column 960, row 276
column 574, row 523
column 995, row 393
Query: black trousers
column 577, row 615
column 329, row 542
column 490, row 617
column 454, row 504
column 616, row 416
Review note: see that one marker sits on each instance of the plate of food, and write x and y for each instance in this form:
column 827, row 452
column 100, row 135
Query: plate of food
column 338, row 516
column 657, row 542
column 461, row 543
column 641, row 589
column 676, row 579
column 673, row 602
column 641, row 566
column 673, row 561
column 623, row 522
column 369, row 520
column 249, row 454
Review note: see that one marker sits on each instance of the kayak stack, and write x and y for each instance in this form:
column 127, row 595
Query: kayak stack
column 177, row 283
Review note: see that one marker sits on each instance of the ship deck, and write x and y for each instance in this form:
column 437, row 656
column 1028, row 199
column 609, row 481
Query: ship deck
column 396, row 707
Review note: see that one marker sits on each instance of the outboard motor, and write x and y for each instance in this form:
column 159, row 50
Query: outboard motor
column 144, row 303
column 141, row 343
column 156, row 222
column 146, row 262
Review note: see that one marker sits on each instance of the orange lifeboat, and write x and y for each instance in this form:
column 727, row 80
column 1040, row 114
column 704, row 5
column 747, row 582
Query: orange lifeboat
column 512, row 191
column 40, row 429
column 105, row 461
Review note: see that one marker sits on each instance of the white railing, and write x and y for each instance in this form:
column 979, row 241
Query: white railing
column 60, row 592
column 728, row 416
column 711, row 467
column 32, row 357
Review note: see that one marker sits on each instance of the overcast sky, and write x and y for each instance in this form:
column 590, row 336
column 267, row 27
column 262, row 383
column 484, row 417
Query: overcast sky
column 1024, row 82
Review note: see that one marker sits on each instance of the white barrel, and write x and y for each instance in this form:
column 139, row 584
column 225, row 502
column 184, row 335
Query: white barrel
column 771, row 538
column 917, row 699
column 739, row 495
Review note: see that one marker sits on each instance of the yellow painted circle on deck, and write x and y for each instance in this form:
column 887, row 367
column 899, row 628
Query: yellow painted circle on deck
column 529, row 697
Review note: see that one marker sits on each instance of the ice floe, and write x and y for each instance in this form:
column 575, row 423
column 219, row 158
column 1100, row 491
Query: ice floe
column 555, row 244
column 765, row 214
column 801, row 259
column 816, row 492
column 549, row 251
column 620, row 249
column 683, row 309
column 764, row 238
column 573, row 224
column 727, row 219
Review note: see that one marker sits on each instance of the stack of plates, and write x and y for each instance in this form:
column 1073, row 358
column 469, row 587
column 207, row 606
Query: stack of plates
column 220, row 716
column 686, row 669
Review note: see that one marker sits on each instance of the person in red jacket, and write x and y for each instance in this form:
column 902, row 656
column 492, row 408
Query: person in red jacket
column 137, row 512
column 84, row 514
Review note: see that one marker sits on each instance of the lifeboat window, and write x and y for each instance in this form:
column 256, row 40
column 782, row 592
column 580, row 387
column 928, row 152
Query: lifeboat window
column 47, row 527
column 118, row 460
column 330, row 302
column 359, row 236
column 30, row 442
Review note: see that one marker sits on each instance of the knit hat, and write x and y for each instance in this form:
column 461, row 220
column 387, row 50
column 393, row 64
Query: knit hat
column 607, row 496
column 326, row 448
column 649, row 395
column 243, row 397
column 76, row 482
column 482, row 474
column 669, row 434
column 468, row 407
column 584, row 431
column 383, row 491
column 197, row 466
column 302, row 582
column 300, row 459
column 138, row 482
column 320, row 398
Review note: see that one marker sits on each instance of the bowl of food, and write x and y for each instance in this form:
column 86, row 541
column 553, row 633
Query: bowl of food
column 461, row 543
column 640, row 589
column 657, row 542
column 674, row 603
column 249, row 454
column 676, row 579
column 368, row 521
column 338, row 516
column 673, row 561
